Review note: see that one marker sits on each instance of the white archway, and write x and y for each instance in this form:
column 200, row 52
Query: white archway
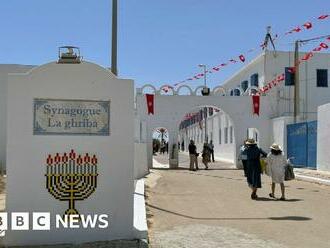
column 184, row 86
column 166, row 87
column 198, row 88
column 169, row 111
column 147, row 86
column 219, row 89
column 249, row 90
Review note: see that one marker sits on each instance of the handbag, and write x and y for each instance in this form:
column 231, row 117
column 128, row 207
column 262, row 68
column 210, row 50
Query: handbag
column 289, row 174
column 263, row 165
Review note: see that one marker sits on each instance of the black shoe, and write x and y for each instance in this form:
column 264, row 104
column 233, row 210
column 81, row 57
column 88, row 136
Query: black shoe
column 282, row 199
column 271, row 195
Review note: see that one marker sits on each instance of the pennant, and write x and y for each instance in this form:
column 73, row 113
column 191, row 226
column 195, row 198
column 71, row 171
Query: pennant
column 242, row 58
column 323, row 45
column 308, row 25
column 281, row 77
column 223, row 64
column 233, row 61
column 150, row 103
column 322, row 17
column 307, row 56
column 297, row 29
column 256, row 104
column 292, row 69
column 317, row 49
column 216, row 68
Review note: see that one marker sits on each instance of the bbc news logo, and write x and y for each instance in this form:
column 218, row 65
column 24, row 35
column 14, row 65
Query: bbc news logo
column 41, row 221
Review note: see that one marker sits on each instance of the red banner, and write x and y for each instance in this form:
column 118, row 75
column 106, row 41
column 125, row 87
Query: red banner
column 256, row 104
column 150, row 103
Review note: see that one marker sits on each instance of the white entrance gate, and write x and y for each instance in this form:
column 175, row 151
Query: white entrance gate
column 171, row 109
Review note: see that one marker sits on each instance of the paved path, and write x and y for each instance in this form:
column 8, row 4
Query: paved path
column 213, row 209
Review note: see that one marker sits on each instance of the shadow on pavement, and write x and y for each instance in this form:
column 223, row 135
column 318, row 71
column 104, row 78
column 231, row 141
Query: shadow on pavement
column 293, row 218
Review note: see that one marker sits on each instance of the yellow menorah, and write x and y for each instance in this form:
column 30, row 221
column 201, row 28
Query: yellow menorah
column 71, row 178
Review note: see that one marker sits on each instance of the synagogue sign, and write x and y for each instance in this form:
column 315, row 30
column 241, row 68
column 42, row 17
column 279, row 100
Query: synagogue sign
column 71, row 117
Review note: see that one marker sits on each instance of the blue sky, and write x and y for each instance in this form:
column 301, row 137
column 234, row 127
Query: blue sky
column 160, row 42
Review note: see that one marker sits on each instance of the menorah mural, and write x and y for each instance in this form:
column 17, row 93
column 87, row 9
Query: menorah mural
column 71, row 178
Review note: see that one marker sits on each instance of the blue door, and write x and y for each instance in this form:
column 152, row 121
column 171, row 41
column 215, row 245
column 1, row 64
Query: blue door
column 297, row 143
column 302, row 143
column 311, row 144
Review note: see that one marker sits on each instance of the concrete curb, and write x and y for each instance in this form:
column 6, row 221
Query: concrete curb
column 140, row 217
column 312, row 179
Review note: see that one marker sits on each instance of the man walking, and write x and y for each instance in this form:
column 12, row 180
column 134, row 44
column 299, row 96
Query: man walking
column 193, row 156
column 211, row 147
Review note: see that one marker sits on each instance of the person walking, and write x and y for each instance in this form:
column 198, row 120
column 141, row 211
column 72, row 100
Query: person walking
column 243, row 157
column 253, row 153
column 162, row 146
column 193, row 156
column 211, row 146
column 276, row 163
column 206, row 155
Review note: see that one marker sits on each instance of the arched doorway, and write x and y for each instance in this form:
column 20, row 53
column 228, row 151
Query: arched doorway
column 160, row 138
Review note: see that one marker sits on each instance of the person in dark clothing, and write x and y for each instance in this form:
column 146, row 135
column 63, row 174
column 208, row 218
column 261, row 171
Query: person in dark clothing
column 211, row 146
column 243, row 157
column 253, row 169
column 193, row 156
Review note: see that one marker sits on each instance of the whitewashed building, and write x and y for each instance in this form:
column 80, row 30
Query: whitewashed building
column 313, row 90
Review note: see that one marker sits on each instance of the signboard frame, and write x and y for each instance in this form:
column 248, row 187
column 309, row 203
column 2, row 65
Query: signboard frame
column 38, row 130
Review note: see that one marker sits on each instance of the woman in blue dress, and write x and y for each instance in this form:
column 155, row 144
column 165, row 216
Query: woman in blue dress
column 253, row 168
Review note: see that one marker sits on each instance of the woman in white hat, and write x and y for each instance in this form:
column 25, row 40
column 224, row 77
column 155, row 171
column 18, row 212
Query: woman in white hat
column 276, row 163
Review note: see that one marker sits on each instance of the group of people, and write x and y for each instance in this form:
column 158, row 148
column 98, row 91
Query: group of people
column 207, row 155
column 275, row 162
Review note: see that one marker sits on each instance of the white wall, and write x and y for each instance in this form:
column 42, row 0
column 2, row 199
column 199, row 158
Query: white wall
column 26, row 153
column 323, row 137
column 280, row 131
column 140, row 160
column 4, row 70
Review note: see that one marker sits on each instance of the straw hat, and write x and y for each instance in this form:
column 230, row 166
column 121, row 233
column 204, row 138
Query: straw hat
column 250, row 142
column 276, row 147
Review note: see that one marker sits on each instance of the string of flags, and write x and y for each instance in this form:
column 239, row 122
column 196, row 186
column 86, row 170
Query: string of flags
column 241, row 58
column 281, row 77
column 262, row 91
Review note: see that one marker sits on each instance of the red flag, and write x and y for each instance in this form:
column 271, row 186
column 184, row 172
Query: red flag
column 256, row 104
column 297, row 29
column 308, row 25
column 307, row 56
column 223, row 64
column 216, row 68
column 281, row 77
column 150, row 103
column 323, row 45
column 317, row 49
column 242, row 58
column 322, row 17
